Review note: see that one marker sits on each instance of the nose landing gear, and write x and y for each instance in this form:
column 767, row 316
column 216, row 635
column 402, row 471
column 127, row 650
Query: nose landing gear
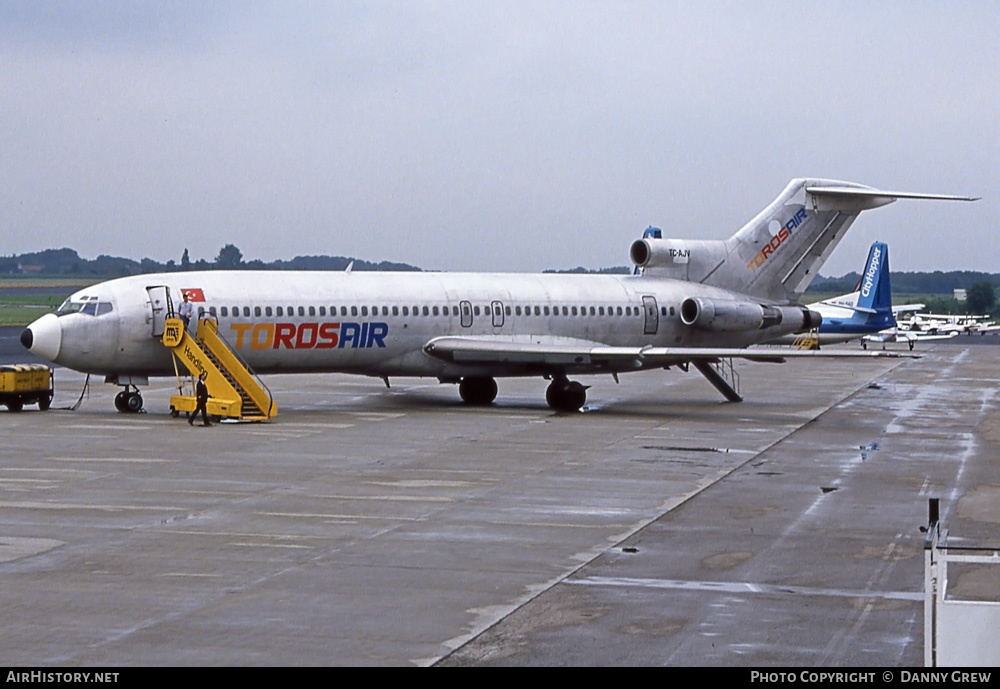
column 129, row 400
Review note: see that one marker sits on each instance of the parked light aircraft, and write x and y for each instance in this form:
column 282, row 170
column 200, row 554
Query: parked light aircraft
column 695, row 302
column 925, row 327
column 899, row 334
column 951, row 323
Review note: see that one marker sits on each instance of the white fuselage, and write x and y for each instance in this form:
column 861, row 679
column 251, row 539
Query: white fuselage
column 377, row 323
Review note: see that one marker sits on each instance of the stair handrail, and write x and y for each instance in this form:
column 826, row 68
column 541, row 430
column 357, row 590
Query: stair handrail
column 214, row 325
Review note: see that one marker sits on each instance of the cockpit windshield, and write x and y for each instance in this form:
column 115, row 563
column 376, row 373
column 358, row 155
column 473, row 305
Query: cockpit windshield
column 88, row 305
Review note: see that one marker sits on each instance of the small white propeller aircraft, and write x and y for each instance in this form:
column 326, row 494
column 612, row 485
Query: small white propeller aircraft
column 692, row 302
column 945, row 323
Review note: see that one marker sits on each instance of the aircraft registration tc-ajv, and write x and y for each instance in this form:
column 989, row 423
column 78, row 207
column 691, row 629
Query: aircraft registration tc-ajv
column 689, row 302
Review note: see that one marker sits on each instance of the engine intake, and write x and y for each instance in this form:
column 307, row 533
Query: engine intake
column 651, row 252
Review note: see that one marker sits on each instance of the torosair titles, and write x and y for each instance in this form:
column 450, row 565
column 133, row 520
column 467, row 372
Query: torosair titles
column 310, row 335
column 777, row 240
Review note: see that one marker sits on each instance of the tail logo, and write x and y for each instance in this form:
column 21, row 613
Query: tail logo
column 869, row 281
column 777, row 240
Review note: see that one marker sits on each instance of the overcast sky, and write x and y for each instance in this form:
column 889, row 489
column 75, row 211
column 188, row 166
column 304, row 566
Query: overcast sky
column 478, row 135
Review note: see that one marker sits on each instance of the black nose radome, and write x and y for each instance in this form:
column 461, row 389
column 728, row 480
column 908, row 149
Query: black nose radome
column 27, row 338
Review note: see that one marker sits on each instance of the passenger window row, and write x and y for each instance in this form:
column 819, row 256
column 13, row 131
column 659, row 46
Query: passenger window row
column 416, row 310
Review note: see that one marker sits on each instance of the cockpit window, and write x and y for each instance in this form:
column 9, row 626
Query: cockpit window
column 87, row 305
column 70, row 307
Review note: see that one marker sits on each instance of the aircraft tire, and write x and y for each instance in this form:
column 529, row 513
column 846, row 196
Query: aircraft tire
column 553, row 396
column 133, row 402
column 566, row 395
column 120, row 401
column 478, row 391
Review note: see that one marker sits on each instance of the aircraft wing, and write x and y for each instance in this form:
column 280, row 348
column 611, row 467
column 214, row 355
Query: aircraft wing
column 922, row 337
column 573, row 353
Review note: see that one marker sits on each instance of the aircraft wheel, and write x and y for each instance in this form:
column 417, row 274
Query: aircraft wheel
column 911, row 345
column 478, row 391
column 566, row 395
column 45, row 402
column 133, row 402
column 120, row 401
column 864, row 345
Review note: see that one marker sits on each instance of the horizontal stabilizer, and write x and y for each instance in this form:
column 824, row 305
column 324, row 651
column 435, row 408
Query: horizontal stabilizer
column 855, row 192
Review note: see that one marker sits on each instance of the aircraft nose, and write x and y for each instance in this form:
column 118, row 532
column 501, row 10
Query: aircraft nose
column 43, row 337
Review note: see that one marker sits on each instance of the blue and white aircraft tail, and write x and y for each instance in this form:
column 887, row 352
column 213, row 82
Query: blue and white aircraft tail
column 865, row 311
column 869, row 308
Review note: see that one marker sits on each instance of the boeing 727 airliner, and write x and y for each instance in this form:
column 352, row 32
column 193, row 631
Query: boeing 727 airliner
column 692, row 302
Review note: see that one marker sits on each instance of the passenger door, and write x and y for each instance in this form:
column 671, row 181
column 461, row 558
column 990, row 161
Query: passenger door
column 497, row 314
column 465, row 308
column 160, row 308
column 652, row 315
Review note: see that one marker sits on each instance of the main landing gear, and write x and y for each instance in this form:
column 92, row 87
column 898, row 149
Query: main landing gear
column 129, row 400
column 478, row 391
column 562, row 394
column 566, row 395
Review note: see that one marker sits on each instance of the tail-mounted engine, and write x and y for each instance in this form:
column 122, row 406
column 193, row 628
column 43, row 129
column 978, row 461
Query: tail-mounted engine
column 723, row 315
column 693, row 260
column 653, row 252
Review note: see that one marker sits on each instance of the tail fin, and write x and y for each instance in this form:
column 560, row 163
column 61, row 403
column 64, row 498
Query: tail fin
column 874, row 291
column 777, row 254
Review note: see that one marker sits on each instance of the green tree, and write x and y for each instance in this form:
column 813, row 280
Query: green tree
column 229, row 257
column 185, row 260
column 980, row 298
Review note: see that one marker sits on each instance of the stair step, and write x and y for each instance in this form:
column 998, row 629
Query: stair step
column 250, row 410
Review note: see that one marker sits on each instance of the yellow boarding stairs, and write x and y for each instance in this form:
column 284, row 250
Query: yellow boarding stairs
column 809, row 340
column 236, row 391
